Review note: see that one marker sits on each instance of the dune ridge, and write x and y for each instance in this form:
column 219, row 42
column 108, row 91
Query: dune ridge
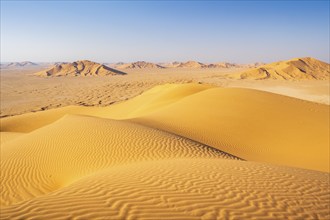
column 192, row 64
column 79, row 68
column 177, row 151
column 250, row 124
column 51, row 162
column 306, row 68
column 19, row 64
column 139, row 65
column 186, row 189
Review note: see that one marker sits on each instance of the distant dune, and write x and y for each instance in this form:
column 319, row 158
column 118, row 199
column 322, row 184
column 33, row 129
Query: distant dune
column 223, row 65
column 170, row 64
column 18, row 64
column 58, row 63
column 139, row 65
column 296, row 69
column 192, row 64
column 79, row 68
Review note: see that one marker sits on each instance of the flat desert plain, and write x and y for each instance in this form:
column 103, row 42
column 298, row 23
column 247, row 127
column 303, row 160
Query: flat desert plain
column 166, row 143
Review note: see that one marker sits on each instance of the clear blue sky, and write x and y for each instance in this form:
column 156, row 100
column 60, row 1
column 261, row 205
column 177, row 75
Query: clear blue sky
column 208, row 31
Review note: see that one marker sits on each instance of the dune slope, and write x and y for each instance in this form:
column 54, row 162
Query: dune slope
column 186, row 189
column 250, row 124
column 192, row 64
column 174, row 152
column 139, row 65
column 149, row 101
column 80, row 68
column 296, row 69
column 74, row 146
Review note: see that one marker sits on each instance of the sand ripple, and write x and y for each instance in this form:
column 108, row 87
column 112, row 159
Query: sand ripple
column 186, row 189
column 59, row 154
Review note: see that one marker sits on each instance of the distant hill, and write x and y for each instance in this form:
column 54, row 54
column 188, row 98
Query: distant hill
column 170, row 64
column 294, row 69
column 59, row 63
column 139, row 65
column 254, row 65
column 80, row 68
column 222, row 65
column 18, row 64
column 192, row 64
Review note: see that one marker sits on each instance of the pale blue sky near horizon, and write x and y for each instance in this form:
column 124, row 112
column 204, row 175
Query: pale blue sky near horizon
column 164, row 31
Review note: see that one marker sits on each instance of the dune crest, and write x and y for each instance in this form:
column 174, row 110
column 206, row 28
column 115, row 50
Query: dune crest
column 192, row 64
column 296, row 69
column 177, row 151
column 139, row 65
column 87, row 145
column 251, row 124
column 80, row 68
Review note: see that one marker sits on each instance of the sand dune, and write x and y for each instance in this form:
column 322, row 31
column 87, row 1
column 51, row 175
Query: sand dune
column 298, row 69
column 23, row 93
column 79, row 68
column 222, row 65
column 170, row 64
column 75, row 146
column 21, row 64
column 7, row 136
column 250, row 124
column 175, row 152
column 13, row 65
column 31, row 121
column 186, row 189
column 151, row 100
column 139, row 65
column 192, row 64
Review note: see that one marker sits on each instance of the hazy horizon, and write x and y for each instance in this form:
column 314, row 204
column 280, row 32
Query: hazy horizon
column 110, row 32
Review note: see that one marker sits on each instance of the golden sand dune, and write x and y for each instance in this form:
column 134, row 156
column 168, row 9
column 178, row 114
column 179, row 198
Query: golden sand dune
column 151, row 100
column 185, row 189
column 250, row 124
column 75, row 146
column 172, row 153
column 295, row 69
column 32, row 121
column 7, row 136
column 192, row 64
column 139, row 65
column 79, row 68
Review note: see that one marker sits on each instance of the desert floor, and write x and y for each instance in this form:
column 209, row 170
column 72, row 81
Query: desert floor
column 22, row 93
column 163, row 144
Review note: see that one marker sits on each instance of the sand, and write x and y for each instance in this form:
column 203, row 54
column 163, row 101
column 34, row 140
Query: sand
column 188, row 150
column 306, row 68
column 186, row 189
column 23, row 93
column 79, row 68
column 250, row 124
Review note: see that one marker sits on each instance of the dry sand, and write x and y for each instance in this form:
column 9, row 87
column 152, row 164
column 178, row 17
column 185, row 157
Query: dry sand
column 79, row 68
column 305, row 68
column 23, row 93
column 177, row 151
